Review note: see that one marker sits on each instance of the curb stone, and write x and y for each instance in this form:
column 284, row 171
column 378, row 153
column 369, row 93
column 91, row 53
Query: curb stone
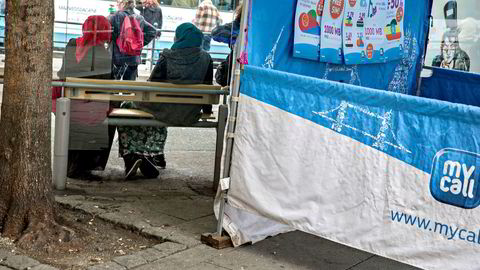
column 130, row 261
column 182, row 260
column 19, row 262
column 142, row 258
column 171, row 236
column 107, row 266
column 169, row 248
column 150, row 254
column 4, row 254
column 43, row 267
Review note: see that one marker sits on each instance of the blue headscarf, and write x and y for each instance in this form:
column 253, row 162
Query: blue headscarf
column 187, row 35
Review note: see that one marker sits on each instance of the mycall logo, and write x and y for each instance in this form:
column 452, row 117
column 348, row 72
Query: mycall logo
column 455, row 178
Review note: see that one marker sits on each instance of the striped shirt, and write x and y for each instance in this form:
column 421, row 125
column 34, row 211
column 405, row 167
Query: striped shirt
column 207, row 16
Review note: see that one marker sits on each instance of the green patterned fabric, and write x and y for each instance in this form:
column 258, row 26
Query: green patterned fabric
column 141, row 140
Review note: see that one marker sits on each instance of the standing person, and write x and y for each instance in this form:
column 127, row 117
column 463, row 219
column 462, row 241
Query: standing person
column 151, row 11
column 227, row 33
column 184, row 63
column 125, row 63
column 206, row 19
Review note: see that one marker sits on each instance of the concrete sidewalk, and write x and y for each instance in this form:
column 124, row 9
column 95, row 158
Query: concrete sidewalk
column 177, row 207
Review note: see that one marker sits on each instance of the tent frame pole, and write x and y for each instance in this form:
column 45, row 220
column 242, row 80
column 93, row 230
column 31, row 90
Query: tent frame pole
column 233, row 110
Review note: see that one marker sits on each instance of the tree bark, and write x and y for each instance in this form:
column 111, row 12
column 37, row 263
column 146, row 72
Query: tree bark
column 26, row 198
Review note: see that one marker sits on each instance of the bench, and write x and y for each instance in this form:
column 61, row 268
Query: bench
column 108, row 90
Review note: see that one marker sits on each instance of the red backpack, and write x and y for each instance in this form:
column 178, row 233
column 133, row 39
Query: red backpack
column 130, row 41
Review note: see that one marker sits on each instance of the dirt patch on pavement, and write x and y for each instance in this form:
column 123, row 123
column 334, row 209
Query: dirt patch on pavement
column 95, row 241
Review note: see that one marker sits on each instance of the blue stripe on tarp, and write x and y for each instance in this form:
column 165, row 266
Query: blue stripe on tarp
column 409, row 128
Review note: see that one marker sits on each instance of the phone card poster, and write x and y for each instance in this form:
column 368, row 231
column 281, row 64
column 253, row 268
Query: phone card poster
column 383, row 33
column 331, row 48
column 307, row 29
column 354, row 31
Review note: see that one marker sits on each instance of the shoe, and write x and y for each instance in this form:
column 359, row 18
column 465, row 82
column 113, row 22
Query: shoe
column 207, row 109
column 159, row 160
column 132, row 163
column 148, row 168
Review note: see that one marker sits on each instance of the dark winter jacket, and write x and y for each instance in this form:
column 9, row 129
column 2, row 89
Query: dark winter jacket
column 96, row 64
column 226, row 33
column 180, row 66
column 116, row 20
column 153, row 15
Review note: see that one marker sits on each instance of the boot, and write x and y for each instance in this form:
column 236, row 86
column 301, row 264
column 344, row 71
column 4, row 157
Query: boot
column 159, row 160
column 132, row 163
column 148, row 168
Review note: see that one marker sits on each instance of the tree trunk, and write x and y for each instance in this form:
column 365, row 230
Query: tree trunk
column 26, row 199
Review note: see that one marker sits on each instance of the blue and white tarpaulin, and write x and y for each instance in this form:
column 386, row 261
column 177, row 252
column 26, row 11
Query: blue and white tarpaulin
column 391, row 174
column 318, row 149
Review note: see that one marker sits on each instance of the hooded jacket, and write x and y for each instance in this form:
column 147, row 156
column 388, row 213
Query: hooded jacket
column 180, row 66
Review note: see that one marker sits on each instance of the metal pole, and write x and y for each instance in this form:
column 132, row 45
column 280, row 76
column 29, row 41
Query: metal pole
column 153, row 48
column 153, row 54
column 62, row 128
column 97, row 86
column 233, row 105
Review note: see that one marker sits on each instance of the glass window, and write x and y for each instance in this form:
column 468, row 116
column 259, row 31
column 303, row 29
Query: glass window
column 454, row 35
column 224, row 5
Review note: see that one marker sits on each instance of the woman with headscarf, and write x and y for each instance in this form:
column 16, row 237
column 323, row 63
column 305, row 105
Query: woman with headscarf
column 87, row 57
column 185, row 63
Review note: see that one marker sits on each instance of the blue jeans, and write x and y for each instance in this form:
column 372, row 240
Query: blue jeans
column 206, row 42
column 125, row 72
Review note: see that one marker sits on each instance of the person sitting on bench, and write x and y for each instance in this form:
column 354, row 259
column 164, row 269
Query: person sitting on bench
column 185, row 63
column 87, row 57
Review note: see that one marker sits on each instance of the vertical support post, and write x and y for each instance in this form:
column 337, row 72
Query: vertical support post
column 234, row 93
column 153, row 50
column 221, row 213
column 62, row 129
column 221, row 124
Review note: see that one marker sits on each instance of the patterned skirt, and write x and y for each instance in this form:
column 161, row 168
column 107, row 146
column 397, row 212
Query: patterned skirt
column 140, row 140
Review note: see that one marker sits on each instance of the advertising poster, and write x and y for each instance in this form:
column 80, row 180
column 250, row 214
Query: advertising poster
column 383, row 32
column 331, row 49
column 354, row 31
column 307, row 29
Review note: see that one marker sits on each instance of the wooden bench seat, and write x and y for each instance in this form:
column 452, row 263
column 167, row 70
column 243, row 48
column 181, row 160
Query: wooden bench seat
column 130, row 113
column 139, row 114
